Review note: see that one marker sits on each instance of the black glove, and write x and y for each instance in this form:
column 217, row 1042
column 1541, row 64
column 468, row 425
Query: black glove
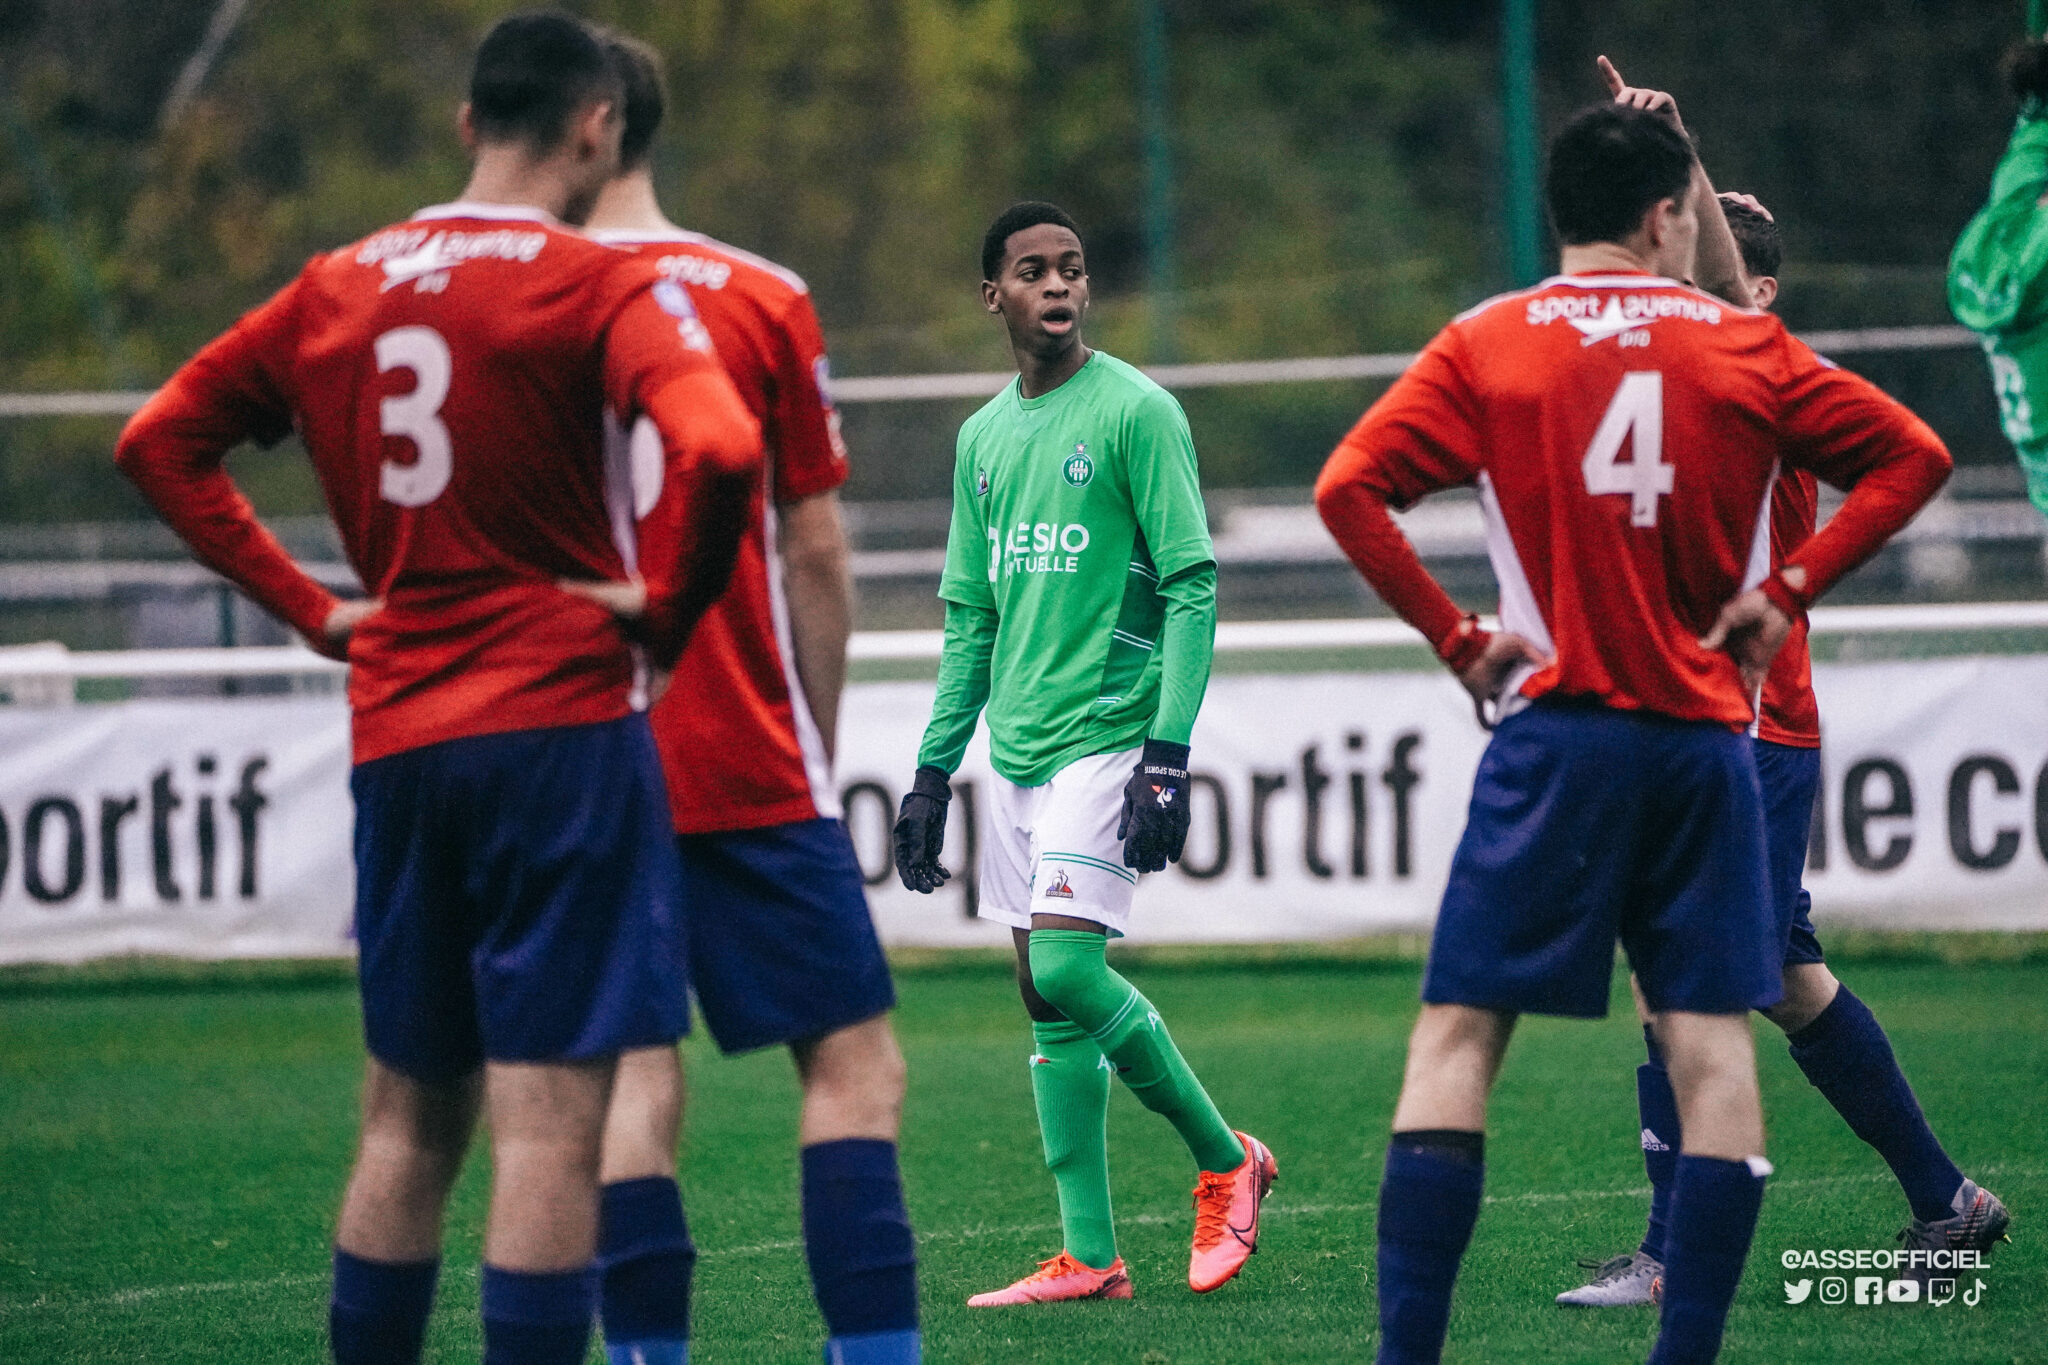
column 921, row 831
column 1154, row 826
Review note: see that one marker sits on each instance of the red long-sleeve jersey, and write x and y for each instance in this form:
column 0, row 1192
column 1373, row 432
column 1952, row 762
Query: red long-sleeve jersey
column 735, row 729
column 448, row 376
column 1616, row 567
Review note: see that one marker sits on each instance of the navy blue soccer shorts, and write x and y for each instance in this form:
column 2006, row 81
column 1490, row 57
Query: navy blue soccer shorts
column 515, row 900
column 781, row 947
column 1790, row 779
column 1587, row 824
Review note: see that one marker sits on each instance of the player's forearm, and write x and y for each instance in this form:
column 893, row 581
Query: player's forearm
column 1187, row 646
column 964, row 663
column 820, row 593
column 1883, row 500
column 173, row 458
column 712, row 446
column 1358, row 518
column 1719, row 262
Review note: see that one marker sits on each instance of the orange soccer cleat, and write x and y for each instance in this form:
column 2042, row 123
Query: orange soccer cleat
column 1227, row 1216
column 1061, row 1278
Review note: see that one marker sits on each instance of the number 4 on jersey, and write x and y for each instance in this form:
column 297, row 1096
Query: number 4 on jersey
column 1637, row 407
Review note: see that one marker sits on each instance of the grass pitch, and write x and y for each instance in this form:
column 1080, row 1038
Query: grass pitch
column 172, row 1150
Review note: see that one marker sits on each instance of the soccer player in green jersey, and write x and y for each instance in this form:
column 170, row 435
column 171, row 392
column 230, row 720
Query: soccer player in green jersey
column 1080, row 591
column 1998, row 275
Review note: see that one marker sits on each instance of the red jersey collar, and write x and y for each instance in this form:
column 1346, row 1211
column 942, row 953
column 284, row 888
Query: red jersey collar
column 1614, row 279
column 510, row 213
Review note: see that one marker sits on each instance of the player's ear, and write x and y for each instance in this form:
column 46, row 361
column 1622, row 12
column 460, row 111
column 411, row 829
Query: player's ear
column 599, row 128
column 988, row 297
column 1764, row 290
column 1663, row 217
column 465, row 127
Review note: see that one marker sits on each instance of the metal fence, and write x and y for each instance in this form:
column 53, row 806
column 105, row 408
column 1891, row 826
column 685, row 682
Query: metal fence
column 129, row 584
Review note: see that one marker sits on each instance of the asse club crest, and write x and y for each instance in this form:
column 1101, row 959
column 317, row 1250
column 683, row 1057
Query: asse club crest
column 1079, row 468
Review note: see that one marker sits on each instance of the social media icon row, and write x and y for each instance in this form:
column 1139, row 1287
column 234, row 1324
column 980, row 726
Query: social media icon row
column 1874, row 1289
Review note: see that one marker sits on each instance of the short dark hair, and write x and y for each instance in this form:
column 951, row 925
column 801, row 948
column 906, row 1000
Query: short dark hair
column 2026, row 70
column 1756, row 236
column 533, row 71
column 645, row 95
column 1013, row 220
column 1608, row 165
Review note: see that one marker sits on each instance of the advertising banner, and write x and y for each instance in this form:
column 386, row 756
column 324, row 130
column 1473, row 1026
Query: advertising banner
column 1326, row 805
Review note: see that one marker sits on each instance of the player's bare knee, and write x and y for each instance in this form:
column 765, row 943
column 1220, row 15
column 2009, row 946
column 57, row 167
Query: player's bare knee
column 1712, row 1063
column 1453, row 1054
column 1459, row 1036
column 886, row 1075
column 647, row 1088
column 644, row 1121
column 1809, row 989
column 854, row 1081
column 418, row 1121
column 548, row 1105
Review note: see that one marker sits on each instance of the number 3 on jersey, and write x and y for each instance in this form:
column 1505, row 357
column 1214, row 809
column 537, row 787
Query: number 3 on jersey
column 416, row 416
column 1638, row 407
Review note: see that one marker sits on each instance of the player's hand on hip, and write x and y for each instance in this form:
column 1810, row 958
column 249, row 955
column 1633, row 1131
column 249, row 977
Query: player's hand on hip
column 1154, row 823
column 1751, row 628
column 627, row 601
column 1486, row 675
column 340, row 626
column 921, row 831
column 1636, row 97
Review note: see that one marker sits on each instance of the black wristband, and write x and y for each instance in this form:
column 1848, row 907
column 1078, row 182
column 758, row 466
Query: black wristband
column 1160, row 753
column 932, row 782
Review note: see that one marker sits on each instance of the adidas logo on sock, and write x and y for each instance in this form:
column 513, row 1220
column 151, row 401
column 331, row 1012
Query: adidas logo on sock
column 1653, row 1143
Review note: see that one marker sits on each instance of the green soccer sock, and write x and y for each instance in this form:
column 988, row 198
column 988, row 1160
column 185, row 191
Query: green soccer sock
column 1069, row 969
column 1070, row 1081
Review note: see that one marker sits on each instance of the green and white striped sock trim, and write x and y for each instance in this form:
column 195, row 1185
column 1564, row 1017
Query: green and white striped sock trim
column 1116, row 1019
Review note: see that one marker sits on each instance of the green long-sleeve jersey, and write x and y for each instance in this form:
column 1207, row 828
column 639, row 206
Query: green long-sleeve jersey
column 1080, row 581
column 1998, row 287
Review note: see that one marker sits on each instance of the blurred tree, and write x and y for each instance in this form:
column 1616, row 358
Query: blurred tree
column 1336, row 164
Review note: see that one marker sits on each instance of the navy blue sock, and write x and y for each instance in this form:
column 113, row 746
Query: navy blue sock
column 1849, row 1060
column 1713, row 1217
column 378, row 1315
column 644, row 1260
column 1429, row 1200
column 1658, row 1108
column 537, row 1319
column 863, row 1257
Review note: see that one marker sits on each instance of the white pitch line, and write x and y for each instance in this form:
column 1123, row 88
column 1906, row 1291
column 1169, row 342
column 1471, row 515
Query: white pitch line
column 966, row 1234
column 161, row 1291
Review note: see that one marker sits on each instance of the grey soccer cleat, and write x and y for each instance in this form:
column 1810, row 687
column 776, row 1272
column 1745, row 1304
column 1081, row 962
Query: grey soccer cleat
column 1979, row 1224
column 1616, row 1283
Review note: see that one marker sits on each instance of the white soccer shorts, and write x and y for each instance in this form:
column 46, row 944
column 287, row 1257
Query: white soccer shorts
column 1052, row 849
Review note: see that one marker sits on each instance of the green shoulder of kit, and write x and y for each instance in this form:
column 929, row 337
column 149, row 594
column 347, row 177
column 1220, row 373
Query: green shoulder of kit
column 1141, row 390
column 1998, row 272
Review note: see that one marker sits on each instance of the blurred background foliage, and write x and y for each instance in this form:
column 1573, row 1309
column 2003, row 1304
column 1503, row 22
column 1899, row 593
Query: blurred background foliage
column 1337, row 169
